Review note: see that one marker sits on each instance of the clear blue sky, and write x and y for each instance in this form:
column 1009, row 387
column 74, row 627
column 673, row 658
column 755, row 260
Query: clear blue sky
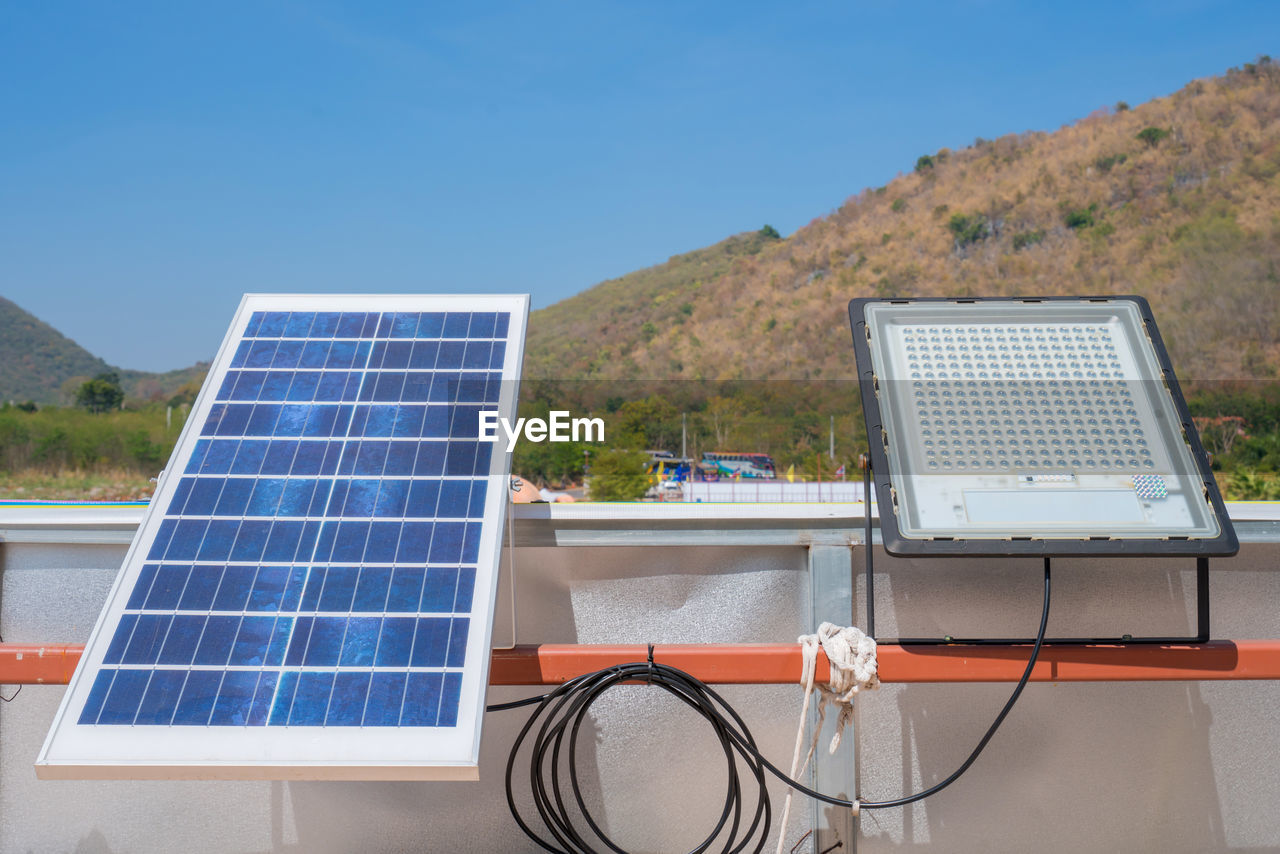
column 159, row 159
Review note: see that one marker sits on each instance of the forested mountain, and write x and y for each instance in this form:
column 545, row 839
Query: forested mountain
column 1177, row 200
column 36, row 359
column 39, row 363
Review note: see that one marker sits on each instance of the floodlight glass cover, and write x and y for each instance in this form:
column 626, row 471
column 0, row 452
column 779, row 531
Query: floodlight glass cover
column 1031, row 426
column 311, row 593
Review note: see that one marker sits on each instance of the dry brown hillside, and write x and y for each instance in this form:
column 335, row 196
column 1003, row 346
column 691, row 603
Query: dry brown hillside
column 1177, row 199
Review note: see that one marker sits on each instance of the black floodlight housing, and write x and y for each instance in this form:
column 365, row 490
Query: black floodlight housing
column 1015, row 426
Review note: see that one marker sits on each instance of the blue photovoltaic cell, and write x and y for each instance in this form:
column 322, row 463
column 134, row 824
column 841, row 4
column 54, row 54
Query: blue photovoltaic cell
column 316, row 561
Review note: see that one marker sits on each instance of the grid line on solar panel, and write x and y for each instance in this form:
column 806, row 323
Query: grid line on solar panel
column 258, row 422
column 351, row 496
column 248, row 589
column 212, row 697
column 332, row 324
column 228, row 644
column 287, row 540
column 243, row 641
column 248, row 568
column 430, row 458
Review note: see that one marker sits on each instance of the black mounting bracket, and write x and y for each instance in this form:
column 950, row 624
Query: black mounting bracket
column 1202, row 601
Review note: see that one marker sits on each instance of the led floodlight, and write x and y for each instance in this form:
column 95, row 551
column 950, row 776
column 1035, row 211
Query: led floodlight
column 1049, row 426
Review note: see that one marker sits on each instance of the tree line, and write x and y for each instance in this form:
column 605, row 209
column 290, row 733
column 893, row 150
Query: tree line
column 1239, row 424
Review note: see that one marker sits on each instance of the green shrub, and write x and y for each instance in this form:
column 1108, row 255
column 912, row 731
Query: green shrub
column 53, row 448
column 1250, row 485
column 1105, row 164
column 969, row 228
column 1153, row 135
column 1023, row 239
column 144, row 452
column 924, row 163
column 1263, row 167
column 1122, row 106
column 71, row 439
column 618, row 475
column 550, row 462
column 769, row 232
column 1077, row 218
column 1259, row 406
column 899, row 205
column 101, row 394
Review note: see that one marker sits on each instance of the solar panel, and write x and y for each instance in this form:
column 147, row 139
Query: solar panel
column 311, row 593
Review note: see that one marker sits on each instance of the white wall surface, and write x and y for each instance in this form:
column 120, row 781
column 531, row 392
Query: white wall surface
column 649, row 757
column 1152, row 766
column 1076, row 767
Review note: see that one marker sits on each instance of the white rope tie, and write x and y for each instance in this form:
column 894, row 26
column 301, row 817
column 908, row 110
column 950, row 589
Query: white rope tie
column 853, row 668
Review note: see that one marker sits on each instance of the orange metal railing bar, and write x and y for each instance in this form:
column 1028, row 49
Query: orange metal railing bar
column 771, row 664
column 38, row 664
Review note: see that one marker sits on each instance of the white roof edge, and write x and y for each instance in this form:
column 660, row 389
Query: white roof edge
column 54, row 515
column 14, row 520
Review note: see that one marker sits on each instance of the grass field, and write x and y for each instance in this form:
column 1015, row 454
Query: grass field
column 105, row 485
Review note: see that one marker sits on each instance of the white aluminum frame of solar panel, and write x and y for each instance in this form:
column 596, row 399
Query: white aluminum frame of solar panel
column 1015, row 426
column 248, row 733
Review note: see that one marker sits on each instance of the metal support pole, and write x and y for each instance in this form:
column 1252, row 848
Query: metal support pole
column 831, row 585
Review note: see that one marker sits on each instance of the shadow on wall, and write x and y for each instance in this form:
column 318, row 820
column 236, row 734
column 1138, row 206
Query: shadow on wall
column 1049, row 780
column 94, row 843
column 653, row 772
column 392, row 817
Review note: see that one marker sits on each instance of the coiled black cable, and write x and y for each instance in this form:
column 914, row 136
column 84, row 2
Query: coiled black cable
column 559, row 719
column 563, row 711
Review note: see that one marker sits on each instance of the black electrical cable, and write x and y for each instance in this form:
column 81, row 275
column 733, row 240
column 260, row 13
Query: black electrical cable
column 15, row 694
column 563, row 711
column 560, row 715
column 995, row 725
